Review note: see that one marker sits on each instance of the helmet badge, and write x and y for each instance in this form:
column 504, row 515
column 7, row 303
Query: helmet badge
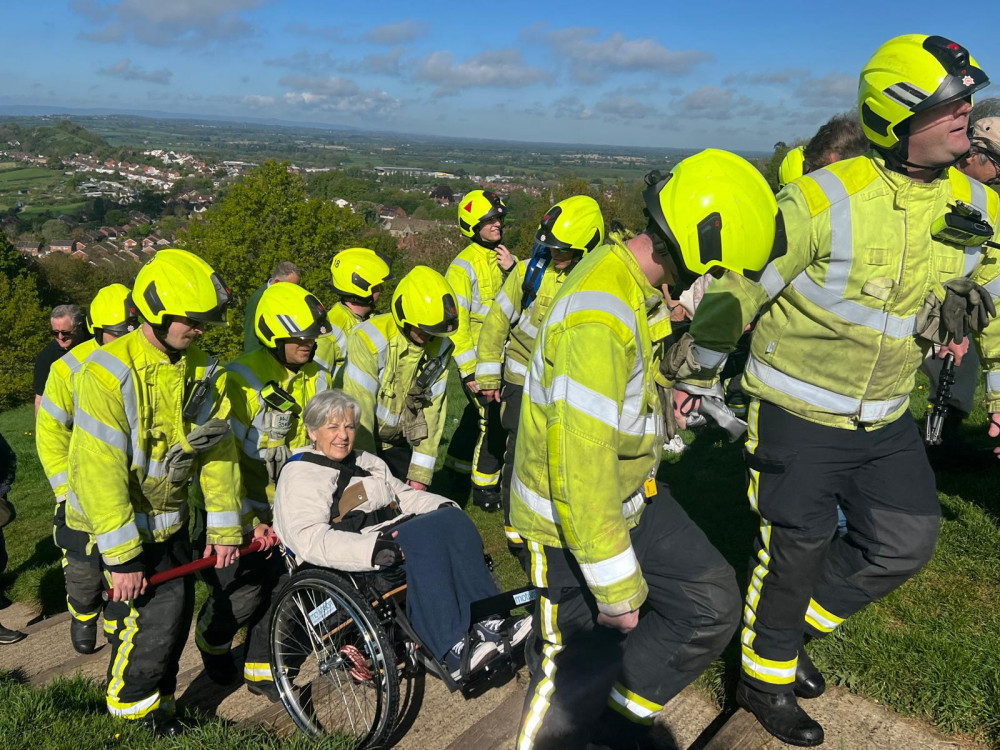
column 968, row 81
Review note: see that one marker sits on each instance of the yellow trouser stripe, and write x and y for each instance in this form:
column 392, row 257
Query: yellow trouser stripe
column 512, row 535
column 110, row 626
column 760, row 571
column 257, row 672
column 126, row 644
column 768, row 670
column 540, row 699
column 632, row 705
column 81, row 616
column 539, row 565
column 136, row 710
column 462, row 467
column 821, row 619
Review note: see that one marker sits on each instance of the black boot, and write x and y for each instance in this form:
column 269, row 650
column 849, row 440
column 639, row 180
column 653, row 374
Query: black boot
column 780, row 714
column 83, row 635
column 616, row 732
column 220, row 668
column 8, row 636
column 486, row 498
column 809, row 681
column 163, row 726
column 267, row 688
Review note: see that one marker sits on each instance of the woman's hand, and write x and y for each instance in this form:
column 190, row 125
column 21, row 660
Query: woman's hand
column 416, row 485
column 266, row 534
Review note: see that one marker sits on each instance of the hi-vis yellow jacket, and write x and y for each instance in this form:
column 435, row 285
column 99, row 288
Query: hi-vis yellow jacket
column 476, row 279
column 252, row 419
column 835, row 343
column 54, row 424
column 128, row 398
column 507, row 319
column 382, row 366
column 331, row 348
column 591, row 429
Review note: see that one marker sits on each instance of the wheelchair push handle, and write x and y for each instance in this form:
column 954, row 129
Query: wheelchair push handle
column 256, row 545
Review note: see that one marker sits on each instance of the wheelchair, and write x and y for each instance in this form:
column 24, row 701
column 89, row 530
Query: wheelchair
column 341, row 646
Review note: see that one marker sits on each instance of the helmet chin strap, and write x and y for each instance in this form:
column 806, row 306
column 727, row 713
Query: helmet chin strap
column 895, row 158
column 680, row 277
column 160, row 332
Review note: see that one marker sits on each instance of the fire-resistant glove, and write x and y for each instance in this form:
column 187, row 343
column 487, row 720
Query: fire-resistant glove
column 966, row 307
column 178, row 462
column 274, row 458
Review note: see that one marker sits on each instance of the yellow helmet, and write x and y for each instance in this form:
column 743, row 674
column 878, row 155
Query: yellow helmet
column 476, row 208
column 176, row 282
column 792, row 166
column 715, row 210
column 356, row 271
column 425, row 300
column 113, row 311
column 573, row 224
column 285, row 311
column 911, row 74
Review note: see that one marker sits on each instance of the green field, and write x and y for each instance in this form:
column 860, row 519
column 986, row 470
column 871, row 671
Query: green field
column 929, row 650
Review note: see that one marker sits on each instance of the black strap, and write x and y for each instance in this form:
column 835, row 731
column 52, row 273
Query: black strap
column 348, row 469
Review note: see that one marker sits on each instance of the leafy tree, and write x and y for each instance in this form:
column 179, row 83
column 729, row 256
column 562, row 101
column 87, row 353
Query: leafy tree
column 264, row 219
column 115, row 217
column 55, row 229
column 65, row 279
column 23, row 333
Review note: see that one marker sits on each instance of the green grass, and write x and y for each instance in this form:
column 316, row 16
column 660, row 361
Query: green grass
column 69, row 713
column 928, row 650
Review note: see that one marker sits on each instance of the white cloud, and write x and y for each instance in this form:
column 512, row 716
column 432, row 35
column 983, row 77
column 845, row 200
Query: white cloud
column 336, row 94
column 307, row 62
column 503, row 68
column 593, row 59
column 833, row 91
column 620, row 106
column 572, row 108
column 125, row 70
column 397, row 33
column 165, row 23
column 772, row 78
column 712, row 102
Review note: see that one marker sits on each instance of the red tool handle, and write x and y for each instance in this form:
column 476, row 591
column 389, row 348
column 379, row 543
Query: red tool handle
column 193, row 567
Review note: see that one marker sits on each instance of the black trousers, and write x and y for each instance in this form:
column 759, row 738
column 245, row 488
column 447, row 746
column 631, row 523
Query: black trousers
column 578, row 667
column 806, row 579
column 240, row 595
column 148, row 633
column 397, row 458
column 82, row 569
column 510, row 418
column 477, row 447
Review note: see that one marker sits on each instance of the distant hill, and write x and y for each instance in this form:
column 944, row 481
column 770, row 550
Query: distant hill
column 63, row 139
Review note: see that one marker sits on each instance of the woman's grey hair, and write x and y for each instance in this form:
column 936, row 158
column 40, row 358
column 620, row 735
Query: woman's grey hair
column 326, row 404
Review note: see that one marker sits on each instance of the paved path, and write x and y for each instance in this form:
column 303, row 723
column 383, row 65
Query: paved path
column 447, row 722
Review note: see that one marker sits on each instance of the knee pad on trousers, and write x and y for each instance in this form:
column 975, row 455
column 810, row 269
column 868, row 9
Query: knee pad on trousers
column 720, row 604
column 906, row 543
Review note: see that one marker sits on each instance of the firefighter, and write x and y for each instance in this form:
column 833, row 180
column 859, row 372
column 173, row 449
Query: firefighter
column 476, row 275
column 878, row 268
column 112, row 314
column 357, row 275
column 151, row 414
column 567, row 232
column 267, row 388
column 397, row 370
column 605, row 537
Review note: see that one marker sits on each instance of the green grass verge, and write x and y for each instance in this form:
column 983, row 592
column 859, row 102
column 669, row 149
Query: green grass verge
column 928, row 649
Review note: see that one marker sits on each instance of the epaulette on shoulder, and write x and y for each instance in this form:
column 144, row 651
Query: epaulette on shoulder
column 961, row 189
column 836, row 182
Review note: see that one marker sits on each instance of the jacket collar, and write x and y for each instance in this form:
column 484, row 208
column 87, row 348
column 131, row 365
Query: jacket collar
column 652, row 297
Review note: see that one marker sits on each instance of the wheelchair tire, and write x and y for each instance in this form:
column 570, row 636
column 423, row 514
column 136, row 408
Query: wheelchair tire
column 333, row 664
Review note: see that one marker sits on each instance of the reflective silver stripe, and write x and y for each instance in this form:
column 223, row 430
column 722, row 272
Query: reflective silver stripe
column 867, row 411
column 462, row 302
column 118, row 537
column 69, row 359
column 461, row 359
column 360, row 377
column 106, row 434
column 422, row 460
column 592, row 301
column 439, row 387
column 56, row 412
column 57, row 480
column 854, row 312
column 385, row 417
column 538, row 504
column 340, row 336
column 159, row 521
column 487, row 368
column 378, row 341
column 529, row 328
column 322, row 364
column 74, row 502
column 993, row 287
column 512, row 365
column 708, row 358
column 247, row 374
column 474, row 302
column 979, row 201
column 506, row 305
column 479, row 308
column 993, row 381
column 578, row 396
column 131, row 403
column 322, row 382
column 222, row 518
column 156, row 469
column 771, row 281
column 841, row 232
column 612, row 570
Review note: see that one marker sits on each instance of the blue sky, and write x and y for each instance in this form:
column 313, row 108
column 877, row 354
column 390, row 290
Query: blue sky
column 738, row 75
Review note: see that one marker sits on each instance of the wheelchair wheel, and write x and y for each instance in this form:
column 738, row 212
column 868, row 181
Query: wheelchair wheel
column 332, row 662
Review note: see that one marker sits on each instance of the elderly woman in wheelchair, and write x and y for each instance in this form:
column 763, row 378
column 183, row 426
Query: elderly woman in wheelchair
column 338, row 509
